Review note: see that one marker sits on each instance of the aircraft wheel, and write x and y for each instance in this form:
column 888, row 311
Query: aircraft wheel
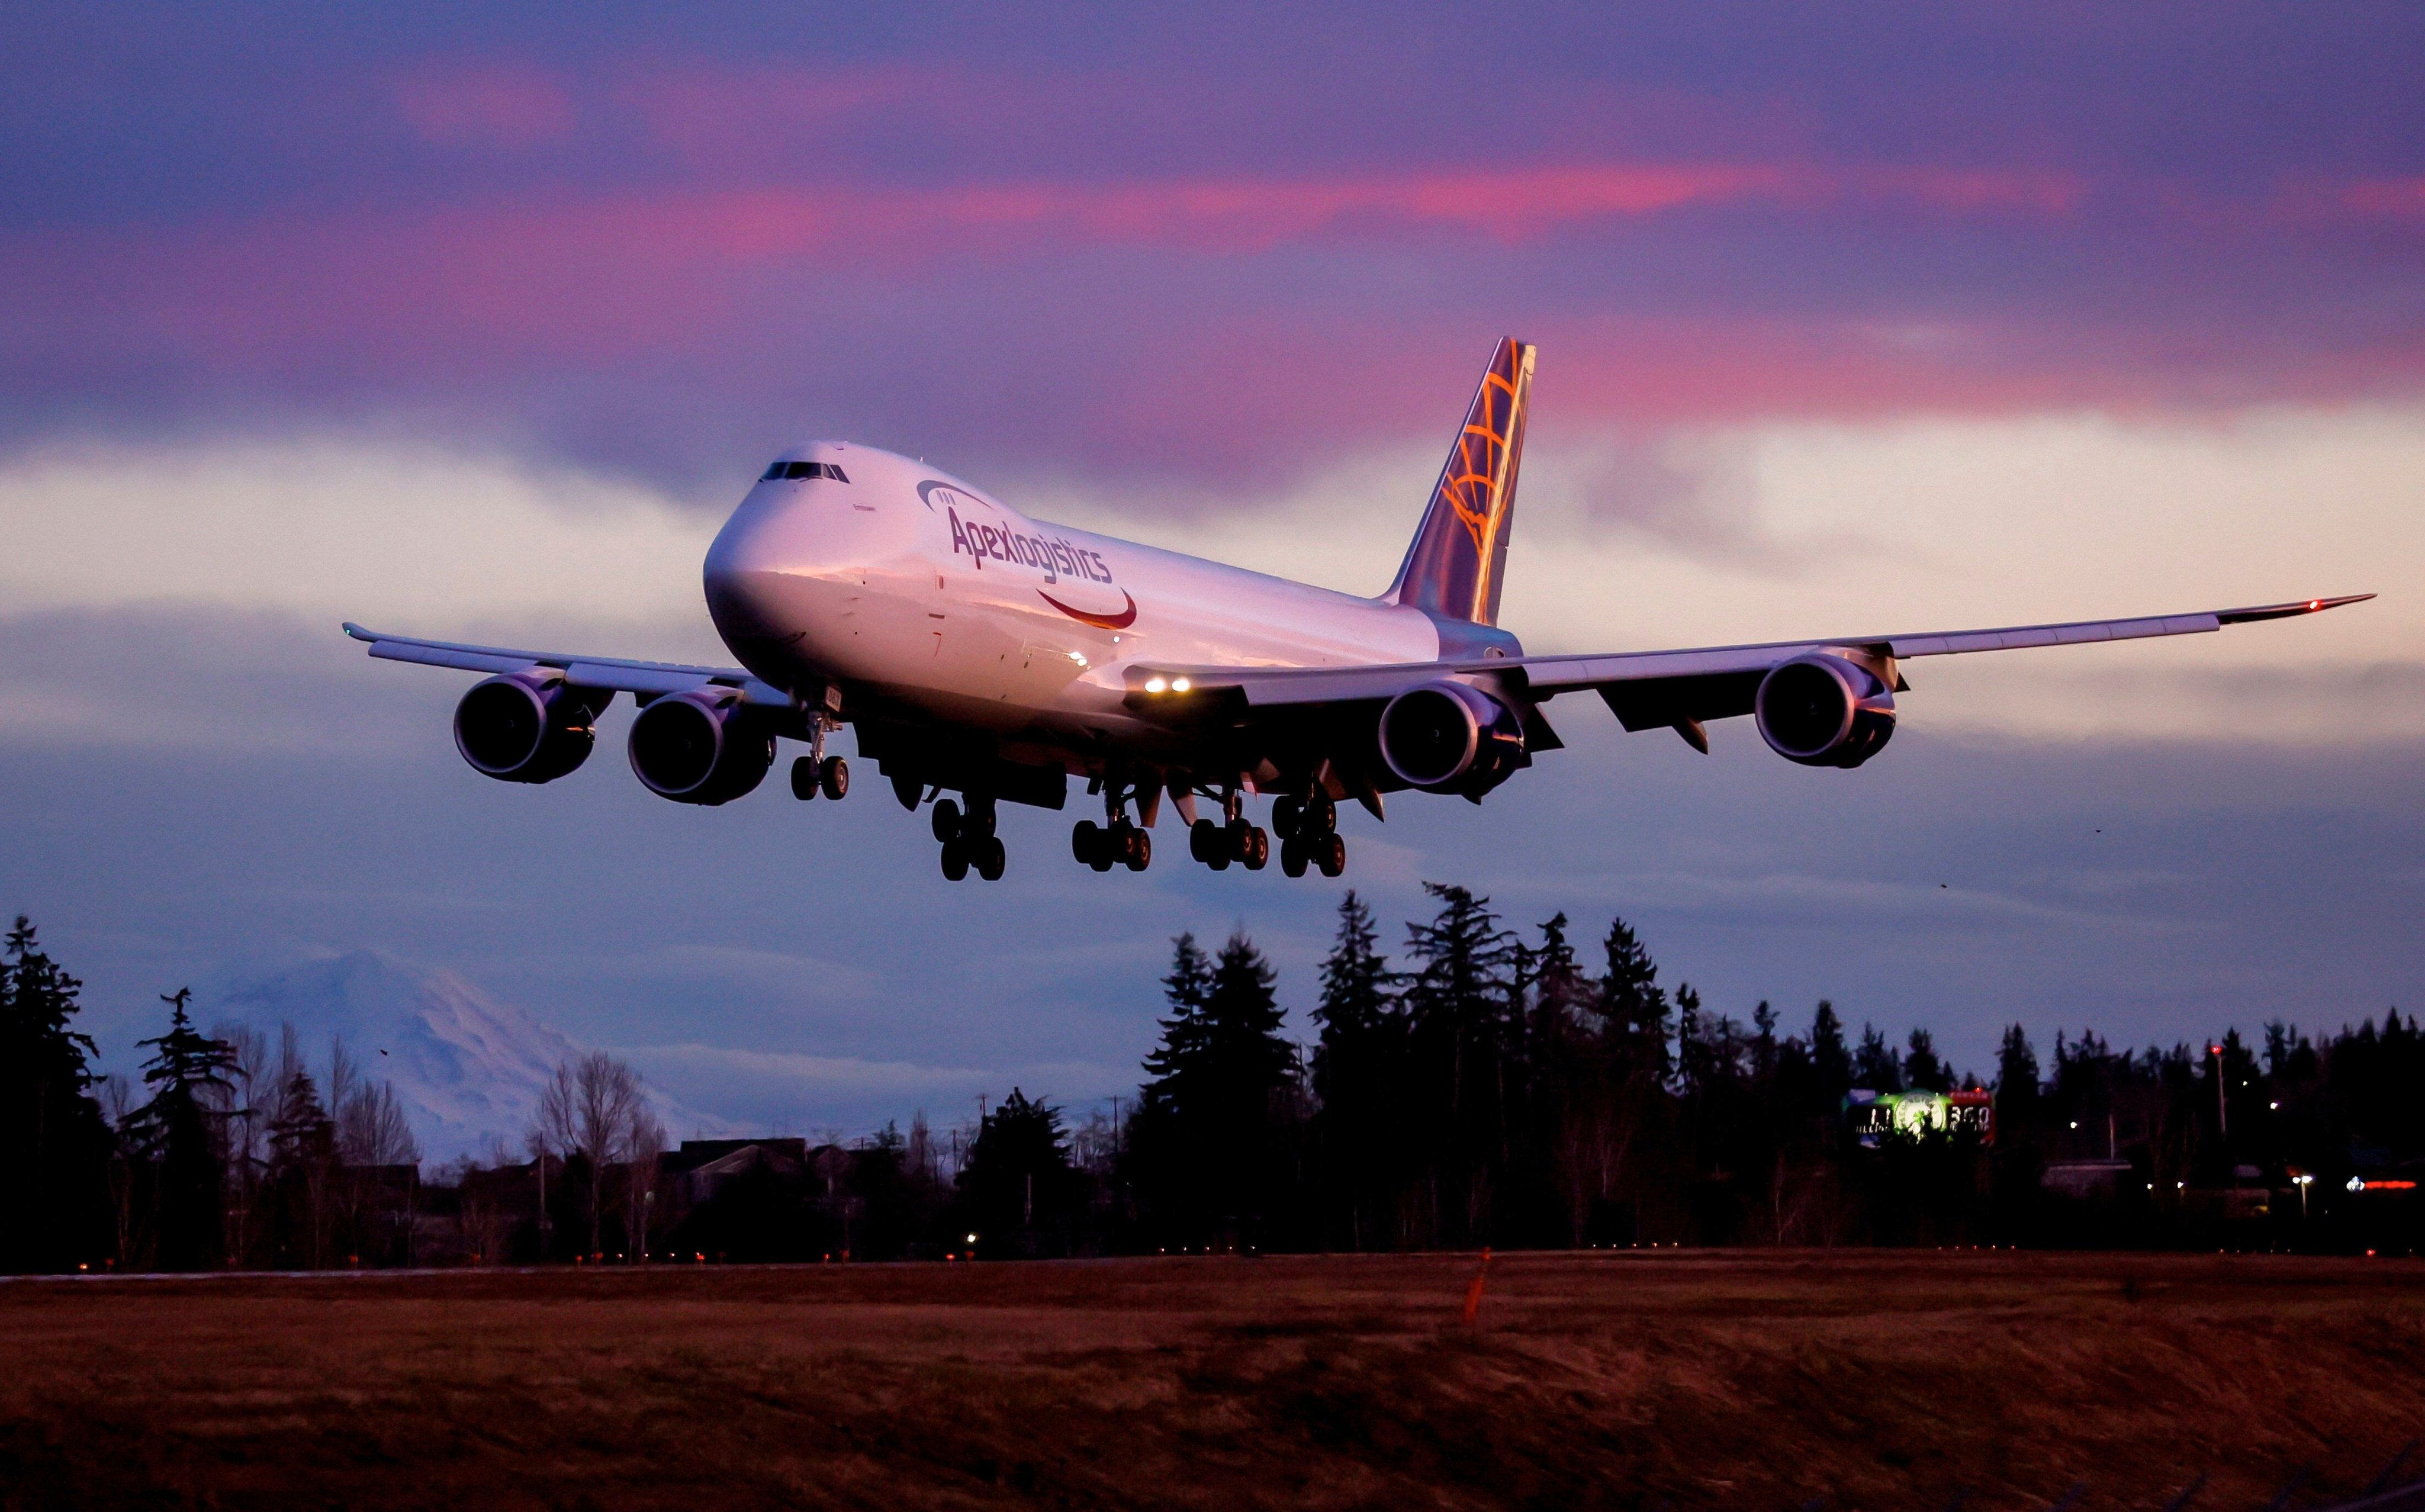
column 1330, row 854
column 834, row 780
column 1286, row 816
column 1293, row 856
column 1259, row 848
column 1084, row 838
column 1204, row 841
column 955, row 860
column 1139, row 850
column 1320, row 818
column 1238, row 840
column 947, row 822
column 804, row 778
column 990, row 859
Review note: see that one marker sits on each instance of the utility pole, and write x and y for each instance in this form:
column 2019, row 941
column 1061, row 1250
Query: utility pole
column 2222, row 1118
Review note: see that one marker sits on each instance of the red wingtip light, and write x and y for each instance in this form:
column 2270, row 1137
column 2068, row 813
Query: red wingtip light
column 2314, row 604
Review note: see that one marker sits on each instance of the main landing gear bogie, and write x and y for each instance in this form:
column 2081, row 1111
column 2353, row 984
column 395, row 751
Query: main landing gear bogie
column 969, row 841
column 1310, row 836
column 1118, row 844
column 1217, row 845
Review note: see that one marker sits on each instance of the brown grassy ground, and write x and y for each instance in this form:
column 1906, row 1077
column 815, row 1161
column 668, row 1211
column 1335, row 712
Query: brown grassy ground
column 1757, row 1380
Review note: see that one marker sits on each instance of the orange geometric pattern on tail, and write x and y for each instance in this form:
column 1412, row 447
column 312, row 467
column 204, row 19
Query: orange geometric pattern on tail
column 1456, row 563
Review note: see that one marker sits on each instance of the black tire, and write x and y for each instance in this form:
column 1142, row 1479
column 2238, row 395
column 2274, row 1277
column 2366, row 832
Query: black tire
column 1204, row 841
column 955, row 860
column 977, row 824
column 1331, row 856
column 946, row 821
column 992, row 858
column 804, row 778
column 1285, row 816
column 1140, row 850
column 834, row 781
column 1320, row 818
column 1292, row 858
column 1259, row 849
column 1239, row 839
column 1084, row 837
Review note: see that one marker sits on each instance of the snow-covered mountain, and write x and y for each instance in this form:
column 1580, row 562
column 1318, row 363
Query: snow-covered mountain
column 467, row 1068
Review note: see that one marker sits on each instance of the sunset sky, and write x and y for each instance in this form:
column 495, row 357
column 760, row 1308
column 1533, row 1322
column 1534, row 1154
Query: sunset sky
column 473, row 323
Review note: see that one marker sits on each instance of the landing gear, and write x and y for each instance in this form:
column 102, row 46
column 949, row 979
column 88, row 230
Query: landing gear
column 1208, row 843
column 1330, row 854
column 1309, row 835
column 810, row 777
column 1118, row 844
column 968, row 840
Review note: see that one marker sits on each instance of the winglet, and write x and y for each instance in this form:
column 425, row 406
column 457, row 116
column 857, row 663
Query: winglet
column 359, row 633
column 2284, row 611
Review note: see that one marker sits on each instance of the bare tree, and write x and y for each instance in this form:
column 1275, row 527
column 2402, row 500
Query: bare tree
column 126, row 1193
column 644, row 1140
column 588, row 1109
column 242, row 1105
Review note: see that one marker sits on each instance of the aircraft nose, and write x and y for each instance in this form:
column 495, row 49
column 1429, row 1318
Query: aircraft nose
column 745, row 574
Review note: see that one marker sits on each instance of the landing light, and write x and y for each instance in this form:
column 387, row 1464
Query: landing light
column 1155, row 685
column 1178, row 685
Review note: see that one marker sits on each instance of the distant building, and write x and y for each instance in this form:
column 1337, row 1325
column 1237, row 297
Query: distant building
column 703, row 1167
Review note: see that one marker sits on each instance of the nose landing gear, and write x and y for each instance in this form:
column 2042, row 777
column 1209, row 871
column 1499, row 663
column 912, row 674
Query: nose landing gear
column 817, row 772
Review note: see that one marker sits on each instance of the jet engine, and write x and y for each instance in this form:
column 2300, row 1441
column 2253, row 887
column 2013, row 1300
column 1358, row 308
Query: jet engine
column 528, row 727
column 701, row 747
column 1824, row 711
column 1450, row 737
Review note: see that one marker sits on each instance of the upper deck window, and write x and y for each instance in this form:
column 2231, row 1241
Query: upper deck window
column 782, row 472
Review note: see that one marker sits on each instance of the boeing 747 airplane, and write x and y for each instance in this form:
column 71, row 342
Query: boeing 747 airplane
column 976, row 651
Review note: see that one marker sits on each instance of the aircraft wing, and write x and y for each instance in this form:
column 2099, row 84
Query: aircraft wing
column 1648, row 690
column 648, row 678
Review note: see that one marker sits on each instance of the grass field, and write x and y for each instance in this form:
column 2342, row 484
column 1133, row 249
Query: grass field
column 1750, row 1379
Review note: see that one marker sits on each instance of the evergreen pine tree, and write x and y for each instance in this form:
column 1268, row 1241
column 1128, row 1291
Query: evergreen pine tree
column 1357, row 1080
column 174, row 1133
column 49, row 1123
column 1921, row 1068
column 1875, row 1065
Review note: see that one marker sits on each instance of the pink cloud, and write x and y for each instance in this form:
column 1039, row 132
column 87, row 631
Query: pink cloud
column 2392, row 199
column 487, row 105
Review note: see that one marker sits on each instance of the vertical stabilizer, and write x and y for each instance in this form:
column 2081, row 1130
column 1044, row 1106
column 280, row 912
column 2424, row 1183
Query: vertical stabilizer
column 1454, row 566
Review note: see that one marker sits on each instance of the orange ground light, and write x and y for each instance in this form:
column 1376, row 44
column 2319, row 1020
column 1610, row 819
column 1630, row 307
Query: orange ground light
column 1751, row 1379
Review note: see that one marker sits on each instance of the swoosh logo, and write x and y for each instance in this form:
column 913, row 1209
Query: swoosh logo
column 1101, row 621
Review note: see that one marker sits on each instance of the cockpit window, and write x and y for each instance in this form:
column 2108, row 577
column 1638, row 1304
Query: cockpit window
column 782, row 472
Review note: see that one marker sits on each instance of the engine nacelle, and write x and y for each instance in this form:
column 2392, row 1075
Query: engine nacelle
column 528, row 727
column 1451, row 737
column 701, row 747
column 1824, row 711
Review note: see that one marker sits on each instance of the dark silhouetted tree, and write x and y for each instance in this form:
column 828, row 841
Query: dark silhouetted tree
column 175, row 1132
column 55, row 1139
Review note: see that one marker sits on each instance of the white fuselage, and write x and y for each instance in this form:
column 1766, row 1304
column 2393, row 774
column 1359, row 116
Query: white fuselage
column 932, row 596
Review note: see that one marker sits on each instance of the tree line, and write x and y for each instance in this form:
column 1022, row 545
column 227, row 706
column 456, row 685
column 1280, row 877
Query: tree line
column 1483, row 1086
